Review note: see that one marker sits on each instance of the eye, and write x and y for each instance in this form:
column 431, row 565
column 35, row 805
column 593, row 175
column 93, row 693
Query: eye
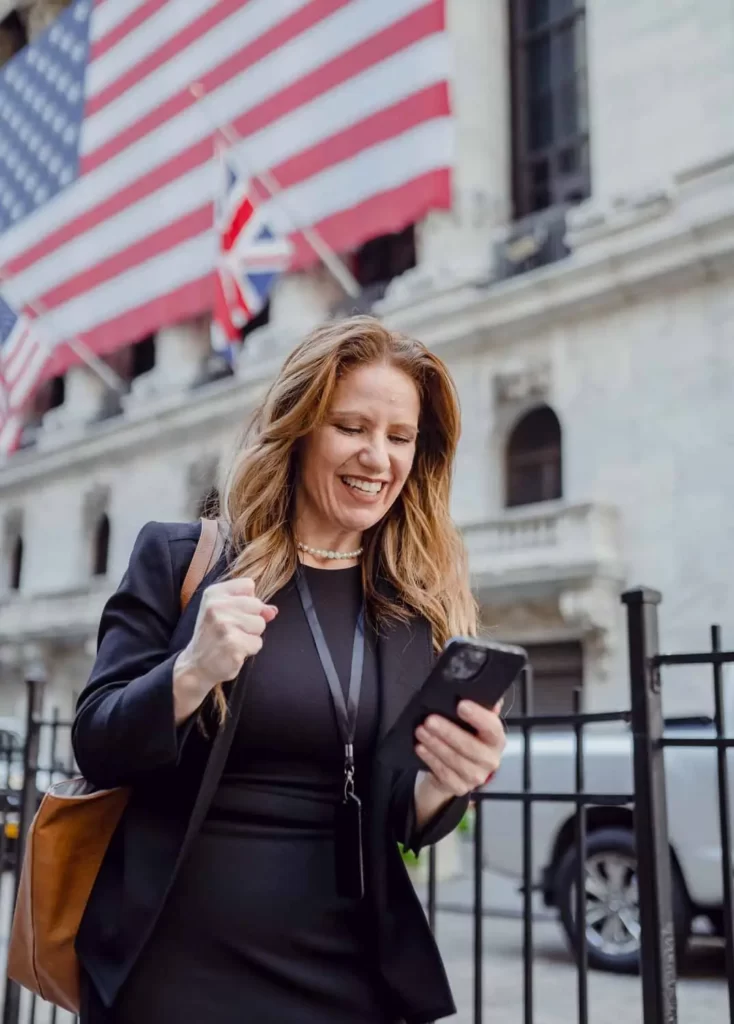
column 348, row 430
column 398, row 439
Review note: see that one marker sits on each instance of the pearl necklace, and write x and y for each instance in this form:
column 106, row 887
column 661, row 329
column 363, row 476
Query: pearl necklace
column 321, row 553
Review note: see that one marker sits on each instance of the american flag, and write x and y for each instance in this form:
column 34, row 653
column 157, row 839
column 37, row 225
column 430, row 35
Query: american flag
column 250, row 257
column 23, row 353
column 107, row 170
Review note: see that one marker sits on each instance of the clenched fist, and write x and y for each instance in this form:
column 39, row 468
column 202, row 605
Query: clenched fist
column 229, row 628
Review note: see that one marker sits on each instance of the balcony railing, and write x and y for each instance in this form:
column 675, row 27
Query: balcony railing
column 536, row 545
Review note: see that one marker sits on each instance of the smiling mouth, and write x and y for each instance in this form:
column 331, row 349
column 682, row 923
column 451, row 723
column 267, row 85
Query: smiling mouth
column 364, row 486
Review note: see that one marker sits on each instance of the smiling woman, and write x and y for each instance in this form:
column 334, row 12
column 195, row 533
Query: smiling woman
column 341, row 576
column 355, row 464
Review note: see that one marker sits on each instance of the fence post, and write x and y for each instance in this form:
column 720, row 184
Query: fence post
column 35, row 686
column 657, row 948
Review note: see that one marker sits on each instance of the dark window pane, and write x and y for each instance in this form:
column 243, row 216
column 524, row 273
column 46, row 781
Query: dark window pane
column 560, row 8
column 534, row 459
column 101, row 546
column 558, row 670
column 568, row 160
column 538, row 12
column 16, row 564
column 552, row 119
column 567, row 124
column 539, row 66
column 540, row 172
column 541, row 122
column 143, row 356
column 541, row 200
column 564, row 57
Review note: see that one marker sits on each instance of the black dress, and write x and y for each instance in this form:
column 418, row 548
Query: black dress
column 253, row 929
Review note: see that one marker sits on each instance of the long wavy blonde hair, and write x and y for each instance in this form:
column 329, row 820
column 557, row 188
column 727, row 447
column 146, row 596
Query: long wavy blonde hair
column 415, row 548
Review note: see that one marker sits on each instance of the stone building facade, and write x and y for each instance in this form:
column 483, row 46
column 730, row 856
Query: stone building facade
column 581, row 291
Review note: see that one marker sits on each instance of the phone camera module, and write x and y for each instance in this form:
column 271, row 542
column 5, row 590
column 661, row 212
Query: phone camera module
column 466, row 662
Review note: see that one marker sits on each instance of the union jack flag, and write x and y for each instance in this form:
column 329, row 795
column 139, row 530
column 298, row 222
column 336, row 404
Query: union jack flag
column 250, row 258
column 23, row 354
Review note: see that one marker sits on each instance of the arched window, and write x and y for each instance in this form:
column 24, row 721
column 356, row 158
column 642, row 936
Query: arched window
column 101, row 550
column 534, row 458
column 16, row 564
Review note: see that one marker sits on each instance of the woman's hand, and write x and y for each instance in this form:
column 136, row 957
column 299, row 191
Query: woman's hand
column 229, row 629
column 460, row 762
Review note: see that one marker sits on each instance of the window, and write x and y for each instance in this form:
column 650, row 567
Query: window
column 549, row 103
column 534, row 458
column 101, row 546
column 57, row 392
column 142, row 356
column 16, row 564
column 381, row 259
column 558, row 670
column 374, row 265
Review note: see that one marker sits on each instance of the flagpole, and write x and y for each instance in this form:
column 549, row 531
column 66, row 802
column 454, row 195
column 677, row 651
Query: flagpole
column 105, row 373
column 323, row 250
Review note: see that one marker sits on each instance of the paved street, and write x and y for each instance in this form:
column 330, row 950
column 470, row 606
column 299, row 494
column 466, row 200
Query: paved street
column 612, row 1000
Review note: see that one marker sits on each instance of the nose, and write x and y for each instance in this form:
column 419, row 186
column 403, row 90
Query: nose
column 374, row 456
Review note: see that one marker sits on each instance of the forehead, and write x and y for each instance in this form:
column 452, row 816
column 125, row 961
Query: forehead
column 377, row 387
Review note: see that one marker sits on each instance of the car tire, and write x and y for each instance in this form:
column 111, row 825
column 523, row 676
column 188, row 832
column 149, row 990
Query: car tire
column 611, row 856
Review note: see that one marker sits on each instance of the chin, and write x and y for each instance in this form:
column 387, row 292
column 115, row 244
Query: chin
column 362, row 521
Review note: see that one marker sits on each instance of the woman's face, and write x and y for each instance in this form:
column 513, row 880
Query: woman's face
column 355, row 464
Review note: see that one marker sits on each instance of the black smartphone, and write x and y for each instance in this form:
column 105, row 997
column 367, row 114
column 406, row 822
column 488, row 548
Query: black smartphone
column 467, row 669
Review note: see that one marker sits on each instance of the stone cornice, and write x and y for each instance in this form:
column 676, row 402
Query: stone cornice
column 159, row 423
column 663, row 238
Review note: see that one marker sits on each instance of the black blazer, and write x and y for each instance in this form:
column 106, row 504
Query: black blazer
column 124, row 734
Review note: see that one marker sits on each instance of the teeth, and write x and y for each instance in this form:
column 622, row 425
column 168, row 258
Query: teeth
column 363, row 485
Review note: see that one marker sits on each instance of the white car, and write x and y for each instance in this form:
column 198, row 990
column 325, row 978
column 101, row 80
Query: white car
column 612, row 920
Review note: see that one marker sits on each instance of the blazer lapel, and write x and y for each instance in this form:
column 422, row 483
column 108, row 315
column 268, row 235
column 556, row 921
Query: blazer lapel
column 404, row 657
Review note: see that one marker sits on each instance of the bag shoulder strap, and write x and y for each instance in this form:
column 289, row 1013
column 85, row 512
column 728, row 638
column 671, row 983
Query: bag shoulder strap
column 208, row 549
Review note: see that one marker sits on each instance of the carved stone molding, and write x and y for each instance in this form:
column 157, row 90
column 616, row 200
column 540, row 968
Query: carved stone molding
column 524, row 385
column 594, row 612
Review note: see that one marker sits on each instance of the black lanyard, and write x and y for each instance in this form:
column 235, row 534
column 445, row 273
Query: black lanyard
column 346, row 711
column 349, row 860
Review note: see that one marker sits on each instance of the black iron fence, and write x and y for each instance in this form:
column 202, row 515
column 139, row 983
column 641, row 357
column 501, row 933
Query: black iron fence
column 653, row 854
column 46, row 757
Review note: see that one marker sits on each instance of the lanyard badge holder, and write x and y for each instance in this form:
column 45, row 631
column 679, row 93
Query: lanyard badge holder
column 348, row 821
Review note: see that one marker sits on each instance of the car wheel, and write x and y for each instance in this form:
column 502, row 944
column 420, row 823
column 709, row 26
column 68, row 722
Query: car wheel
column 612, row 904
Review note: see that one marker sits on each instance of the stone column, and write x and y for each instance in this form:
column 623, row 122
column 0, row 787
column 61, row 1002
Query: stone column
column 460, row 240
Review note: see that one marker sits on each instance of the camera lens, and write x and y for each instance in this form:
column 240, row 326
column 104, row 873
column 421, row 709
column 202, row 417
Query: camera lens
column 466, row 662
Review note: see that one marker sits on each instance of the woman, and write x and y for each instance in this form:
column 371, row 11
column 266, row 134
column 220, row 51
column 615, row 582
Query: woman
column 233, row 889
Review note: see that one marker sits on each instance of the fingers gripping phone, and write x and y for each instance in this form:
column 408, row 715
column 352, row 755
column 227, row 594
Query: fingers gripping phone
column 467, row 669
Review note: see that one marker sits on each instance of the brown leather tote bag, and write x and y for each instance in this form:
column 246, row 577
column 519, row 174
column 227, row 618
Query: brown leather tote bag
column 63, row 853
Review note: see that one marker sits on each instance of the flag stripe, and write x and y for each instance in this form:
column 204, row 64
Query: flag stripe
column 150, row 202
column 193, row 296
column 289, row 53
column 382, row 167
column 347, row 101
column 134, row 19
column 123, row 76
column 109, row 14
column 318, row 160
column 424, row 62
